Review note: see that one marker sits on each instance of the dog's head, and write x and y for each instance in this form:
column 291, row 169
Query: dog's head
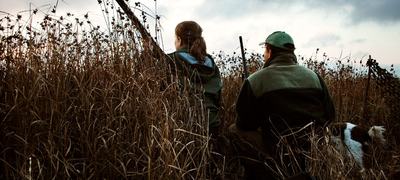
column 358, row 140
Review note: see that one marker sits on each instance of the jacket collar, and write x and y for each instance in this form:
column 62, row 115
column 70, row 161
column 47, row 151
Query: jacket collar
column 282, row 59
column 182, row 50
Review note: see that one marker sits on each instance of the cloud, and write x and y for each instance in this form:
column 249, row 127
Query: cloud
column 232, row 8
column 323, row 40
column 379, row 11
column 358, row 41
column 357, row 11
column 46, row 6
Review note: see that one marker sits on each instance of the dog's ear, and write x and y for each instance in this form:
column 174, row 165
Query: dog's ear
column 376, row 133
column 337, row 129
column 360, row 135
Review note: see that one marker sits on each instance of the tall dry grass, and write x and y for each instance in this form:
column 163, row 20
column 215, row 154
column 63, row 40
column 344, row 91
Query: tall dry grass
column 347, row 81
column 81, row 103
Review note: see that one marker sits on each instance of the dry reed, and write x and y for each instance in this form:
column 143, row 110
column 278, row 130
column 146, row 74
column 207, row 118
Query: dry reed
column 80, row 103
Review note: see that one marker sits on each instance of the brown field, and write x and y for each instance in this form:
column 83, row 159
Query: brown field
column 79, row 103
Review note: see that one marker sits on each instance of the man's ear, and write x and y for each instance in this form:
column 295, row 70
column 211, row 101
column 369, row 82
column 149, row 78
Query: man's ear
column 268, row 47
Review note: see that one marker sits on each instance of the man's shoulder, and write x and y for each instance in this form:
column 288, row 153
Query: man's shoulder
column 259, row 79
column 263, row 74
column 283, row 77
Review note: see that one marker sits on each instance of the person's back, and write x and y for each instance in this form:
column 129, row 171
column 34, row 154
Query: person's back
column 286, row 100
column 192, row 61
column 286, row 97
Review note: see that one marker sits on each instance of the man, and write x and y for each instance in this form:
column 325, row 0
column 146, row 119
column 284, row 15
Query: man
column 281, row 104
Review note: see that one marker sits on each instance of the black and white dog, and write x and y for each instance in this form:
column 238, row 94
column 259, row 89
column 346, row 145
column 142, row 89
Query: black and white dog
column 356, row 141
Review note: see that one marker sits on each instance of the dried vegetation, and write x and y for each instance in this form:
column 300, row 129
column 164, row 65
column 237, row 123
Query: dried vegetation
column 78, row 102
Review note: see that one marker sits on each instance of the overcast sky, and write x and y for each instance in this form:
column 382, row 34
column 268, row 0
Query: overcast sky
column 355, row 28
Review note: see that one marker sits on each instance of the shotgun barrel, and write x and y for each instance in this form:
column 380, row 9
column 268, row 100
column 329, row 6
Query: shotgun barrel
column 245, row 73
column 142, row 30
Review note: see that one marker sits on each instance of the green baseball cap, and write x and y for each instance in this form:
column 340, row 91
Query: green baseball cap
column 280, row 39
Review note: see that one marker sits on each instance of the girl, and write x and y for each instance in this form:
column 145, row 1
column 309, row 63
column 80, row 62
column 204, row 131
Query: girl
column 192, row 61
